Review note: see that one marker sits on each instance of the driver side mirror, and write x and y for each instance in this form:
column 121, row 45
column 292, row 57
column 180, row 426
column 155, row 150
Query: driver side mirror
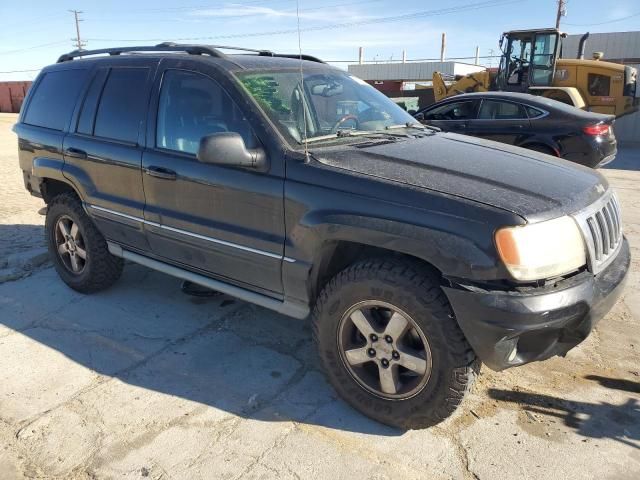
column 228, row 149
column 419, row 116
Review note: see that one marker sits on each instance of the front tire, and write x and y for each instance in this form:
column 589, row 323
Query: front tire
column 390, row 345
column 78, row 250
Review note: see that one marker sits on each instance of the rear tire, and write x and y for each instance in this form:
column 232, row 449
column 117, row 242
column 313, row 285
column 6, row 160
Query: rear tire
column 380, row 289
column 78, row 250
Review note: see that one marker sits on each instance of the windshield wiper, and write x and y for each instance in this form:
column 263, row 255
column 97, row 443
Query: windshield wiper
column 416, row 125
column 372, row 133
column 346, row 133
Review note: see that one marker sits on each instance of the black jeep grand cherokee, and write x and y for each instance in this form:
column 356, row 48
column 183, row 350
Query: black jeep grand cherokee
column 293, row 185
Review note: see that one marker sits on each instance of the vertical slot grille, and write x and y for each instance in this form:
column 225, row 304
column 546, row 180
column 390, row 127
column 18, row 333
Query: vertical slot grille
column 602, row 227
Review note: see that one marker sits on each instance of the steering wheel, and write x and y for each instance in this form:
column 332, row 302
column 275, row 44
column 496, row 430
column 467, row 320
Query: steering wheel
column 344, row 119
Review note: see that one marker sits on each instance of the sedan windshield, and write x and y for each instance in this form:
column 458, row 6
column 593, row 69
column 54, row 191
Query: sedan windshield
column 332, row 104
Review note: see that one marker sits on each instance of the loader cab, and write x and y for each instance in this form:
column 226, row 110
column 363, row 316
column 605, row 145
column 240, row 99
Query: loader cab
column 528, row 59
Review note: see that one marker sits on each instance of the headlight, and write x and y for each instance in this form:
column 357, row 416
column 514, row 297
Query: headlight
column 541, row 250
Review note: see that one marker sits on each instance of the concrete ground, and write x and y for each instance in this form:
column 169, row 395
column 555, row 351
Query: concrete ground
column 144, row 381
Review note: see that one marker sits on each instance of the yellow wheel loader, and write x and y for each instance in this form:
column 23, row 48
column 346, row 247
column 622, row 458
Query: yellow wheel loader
column 532, row 63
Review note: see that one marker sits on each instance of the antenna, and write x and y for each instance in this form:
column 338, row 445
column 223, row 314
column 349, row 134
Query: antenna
column 304, row 109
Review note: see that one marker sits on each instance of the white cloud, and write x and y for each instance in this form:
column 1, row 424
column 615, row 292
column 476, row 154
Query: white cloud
column 261, row 13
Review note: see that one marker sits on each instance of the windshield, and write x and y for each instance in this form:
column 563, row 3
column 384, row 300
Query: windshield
column 332, row 103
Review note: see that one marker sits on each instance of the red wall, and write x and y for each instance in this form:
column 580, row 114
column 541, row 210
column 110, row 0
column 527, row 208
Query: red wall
column 11, row 95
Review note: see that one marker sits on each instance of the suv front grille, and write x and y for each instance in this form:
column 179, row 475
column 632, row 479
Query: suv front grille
column 601, row 227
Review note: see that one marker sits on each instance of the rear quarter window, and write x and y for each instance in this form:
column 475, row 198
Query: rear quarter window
column 54, row 99
column 533, row 112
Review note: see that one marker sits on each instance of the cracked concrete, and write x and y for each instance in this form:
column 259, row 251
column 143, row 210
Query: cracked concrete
column 142, row 381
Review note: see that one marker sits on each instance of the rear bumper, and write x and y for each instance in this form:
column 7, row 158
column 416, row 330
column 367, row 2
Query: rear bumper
column 606, row 160
column 536, row 325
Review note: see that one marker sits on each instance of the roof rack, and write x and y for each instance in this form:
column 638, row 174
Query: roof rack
column 161, row 47
column 309, row 58
column 211, row 50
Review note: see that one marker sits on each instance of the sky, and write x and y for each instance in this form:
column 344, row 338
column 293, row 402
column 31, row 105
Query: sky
column 34, row 33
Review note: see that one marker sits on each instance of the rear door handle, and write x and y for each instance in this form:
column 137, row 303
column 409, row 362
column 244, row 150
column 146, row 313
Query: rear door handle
column 74, row 153
column 160, row 172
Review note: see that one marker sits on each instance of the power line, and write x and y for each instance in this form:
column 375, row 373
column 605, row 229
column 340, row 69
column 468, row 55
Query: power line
column 602, row 23
column 23, row 71
column 374, row 21
column 7, row 52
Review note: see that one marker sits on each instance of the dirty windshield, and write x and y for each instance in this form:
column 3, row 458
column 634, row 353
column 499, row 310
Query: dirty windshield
column 333, row 103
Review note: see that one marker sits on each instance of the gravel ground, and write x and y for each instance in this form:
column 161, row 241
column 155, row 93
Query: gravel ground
column 20, row 223
column 142, row 381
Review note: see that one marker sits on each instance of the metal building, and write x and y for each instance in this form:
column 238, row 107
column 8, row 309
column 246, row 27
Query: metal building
column 619, row 47
column 11, row 95
column 392, row 78
column 411, row 71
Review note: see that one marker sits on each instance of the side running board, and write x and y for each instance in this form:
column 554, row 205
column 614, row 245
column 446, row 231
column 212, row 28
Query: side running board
column 296, row 310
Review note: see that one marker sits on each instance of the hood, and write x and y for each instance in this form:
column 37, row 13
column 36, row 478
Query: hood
column 530, row 184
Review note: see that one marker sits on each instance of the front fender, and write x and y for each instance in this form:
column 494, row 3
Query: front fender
column 452, row 234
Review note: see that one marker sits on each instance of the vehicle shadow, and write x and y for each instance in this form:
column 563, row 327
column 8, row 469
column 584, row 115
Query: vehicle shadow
column 216, row 351
column 591, row 420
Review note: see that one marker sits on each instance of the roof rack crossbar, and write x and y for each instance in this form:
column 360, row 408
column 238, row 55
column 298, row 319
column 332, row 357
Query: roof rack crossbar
column 192, row 49
column 162, row 47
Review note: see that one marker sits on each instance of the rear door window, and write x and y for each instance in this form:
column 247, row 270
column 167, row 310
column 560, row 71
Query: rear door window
column 122, row 105
column 54, row 99
column 497, row 110
column 87, row 115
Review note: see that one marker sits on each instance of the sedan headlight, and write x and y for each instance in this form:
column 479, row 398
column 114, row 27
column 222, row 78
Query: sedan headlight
column 541, row 250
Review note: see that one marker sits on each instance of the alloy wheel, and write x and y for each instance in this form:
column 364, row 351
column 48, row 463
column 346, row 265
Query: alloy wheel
column 384, row 350
column 70, row 245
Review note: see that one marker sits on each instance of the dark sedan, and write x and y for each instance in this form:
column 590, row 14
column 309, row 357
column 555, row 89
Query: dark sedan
column 528, row 121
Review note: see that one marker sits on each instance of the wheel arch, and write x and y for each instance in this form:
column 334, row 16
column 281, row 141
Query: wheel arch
column 52, row 187
column 336, row 255
column 538, row 144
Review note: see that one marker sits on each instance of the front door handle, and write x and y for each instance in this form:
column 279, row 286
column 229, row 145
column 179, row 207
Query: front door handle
column 160, row 172
column 74, row 153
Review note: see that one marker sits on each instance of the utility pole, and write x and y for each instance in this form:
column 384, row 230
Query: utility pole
column 78, row 40
column 443, row 47
column 562, row 12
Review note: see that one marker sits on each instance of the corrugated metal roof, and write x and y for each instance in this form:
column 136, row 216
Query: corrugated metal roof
column 413, row 71
column 615, row 45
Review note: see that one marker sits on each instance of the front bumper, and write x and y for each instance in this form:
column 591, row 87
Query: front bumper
column 508, row 328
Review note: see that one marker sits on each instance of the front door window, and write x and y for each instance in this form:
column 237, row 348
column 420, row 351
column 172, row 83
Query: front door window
column 518, row 61
column 543, row 64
